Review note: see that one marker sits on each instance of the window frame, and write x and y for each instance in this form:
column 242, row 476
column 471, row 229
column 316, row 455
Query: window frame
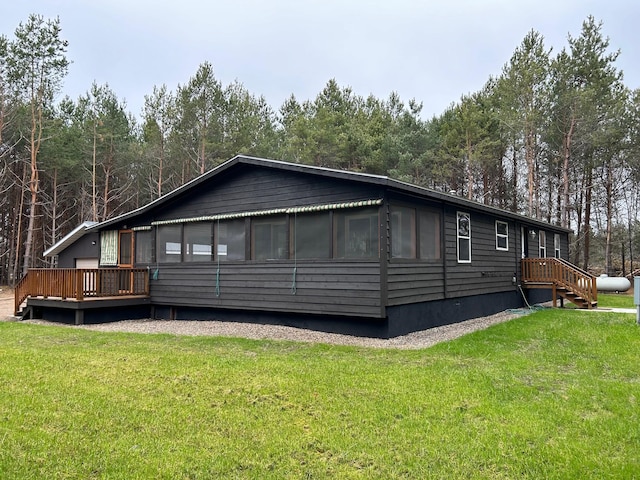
column 466, row 238
column 273, row 237
column 161, row 251
column 542, row 244
column 557, row 245
column 192, row 257
column 420, row 217
column 399, row 212
column 348, row 216
column 503, row 236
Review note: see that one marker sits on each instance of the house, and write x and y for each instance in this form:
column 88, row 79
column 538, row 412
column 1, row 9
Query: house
column 267, row 241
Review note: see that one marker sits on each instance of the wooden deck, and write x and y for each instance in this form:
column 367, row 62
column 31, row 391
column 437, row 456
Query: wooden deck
column 81, row 289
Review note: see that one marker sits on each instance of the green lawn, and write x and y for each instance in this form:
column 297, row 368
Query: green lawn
column 552, row 395
column 613, row 300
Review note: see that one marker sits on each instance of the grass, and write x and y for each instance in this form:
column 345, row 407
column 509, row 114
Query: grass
column 551, row 395
column 613, row 300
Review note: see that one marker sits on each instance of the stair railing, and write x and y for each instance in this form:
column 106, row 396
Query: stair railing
column 561, row 273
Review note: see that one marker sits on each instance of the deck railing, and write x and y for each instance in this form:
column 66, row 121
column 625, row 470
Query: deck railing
column 559, row 272
column 81, row 283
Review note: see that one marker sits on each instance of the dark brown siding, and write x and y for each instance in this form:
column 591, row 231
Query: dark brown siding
column 490, row 270
column 333, row 288
column 264, row 189
column 415, row 282
column 87, row 246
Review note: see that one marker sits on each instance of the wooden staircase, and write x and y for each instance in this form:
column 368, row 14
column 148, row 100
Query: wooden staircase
column 564, row 279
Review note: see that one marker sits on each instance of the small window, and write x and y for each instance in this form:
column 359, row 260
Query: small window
column 144, row 247
column 269, row 238
column 356, row 234
column 311, row 235
column 169, row 242
column 197, row 242
column 230, row 240
column 430, row 238
column 464, row 237
column 502, row 235
column 403, row 232
column 556, row 245
column 542, row 242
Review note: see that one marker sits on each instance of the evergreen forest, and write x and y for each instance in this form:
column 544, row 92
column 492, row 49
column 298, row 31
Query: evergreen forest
column 555, row 136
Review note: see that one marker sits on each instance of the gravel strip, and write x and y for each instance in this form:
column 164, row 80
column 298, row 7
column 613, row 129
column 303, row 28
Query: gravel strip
column 415, row 340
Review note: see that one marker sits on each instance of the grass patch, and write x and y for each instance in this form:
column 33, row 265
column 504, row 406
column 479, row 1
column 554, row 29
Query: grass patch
column 615, row 300
column 551, row 395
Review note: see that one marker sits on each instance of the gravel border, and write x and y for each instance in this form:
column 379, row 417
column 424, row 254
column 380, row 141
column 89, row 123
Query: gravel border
column 415, row 340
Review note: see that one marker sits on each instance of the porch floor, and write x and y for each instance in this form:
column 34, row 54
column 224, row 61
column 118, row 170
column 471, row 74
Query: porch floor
column 55, row 306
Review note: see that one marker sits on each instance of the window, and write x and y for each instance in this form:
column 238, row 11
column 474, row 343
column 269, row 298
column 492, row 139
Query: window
column 403, row 232
column 429, row 235
column 109, row 248
column 356, row 234
column 556, row 245
column 542, row 243
column 311, row 235
column 230, row 244
column 169, row 242
column 269, row 238
column 197, row 242
column 144, row 246
column 502, row 235
column 464, row 237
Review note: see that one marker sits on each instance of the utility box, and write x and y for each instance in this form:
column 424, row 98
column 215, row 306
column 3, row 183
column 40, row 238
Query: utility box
column 636, row 297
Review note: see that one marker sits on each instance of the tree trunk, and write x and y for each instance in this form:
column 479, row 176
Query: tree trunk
column 566, row 154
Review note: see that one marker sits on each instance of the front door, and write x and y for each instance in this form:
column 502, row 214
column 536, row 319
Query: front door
column 125, row 259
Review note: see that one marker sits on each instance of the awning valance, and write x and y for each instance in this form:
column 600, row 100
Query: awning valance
column 275, row 211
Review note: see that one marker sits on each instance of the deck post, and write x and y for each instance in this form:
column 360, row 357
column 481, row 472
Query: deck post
column 79, row 285
column 79, row 320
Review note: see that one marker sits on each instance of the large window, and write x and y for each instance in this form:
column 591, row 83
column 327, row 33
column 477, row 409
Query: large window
column 356, row 233
column 197, row 242
column 403, row 232
column 144, row 246
column 502, row 235
column 311, row 235
column 464, row 237
column 430, row 238
column 230, row 243
column 269, row 238
column 169, row 243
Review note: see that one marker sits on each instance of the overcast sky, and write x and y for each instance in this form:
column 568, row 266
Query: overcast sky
column 433, row 51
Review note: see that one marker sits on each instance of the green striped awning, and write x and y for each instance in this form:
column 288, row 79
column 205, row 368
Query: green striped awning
column 274, row 211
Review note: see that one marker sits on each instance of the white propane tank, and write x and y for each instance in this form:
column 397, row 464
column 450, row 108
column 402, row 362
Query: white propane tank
column 605, row 283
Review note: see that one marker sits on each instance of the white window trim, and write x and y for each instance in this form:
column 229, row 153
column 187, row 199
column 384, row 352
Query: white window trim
column 556, row 245
column 458, row 236
column 500, row 235
column 542, row 243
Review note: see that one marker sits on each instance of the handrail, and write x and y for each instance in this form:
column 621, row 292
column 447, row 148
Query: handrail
column 81, row 283
column 561, row 273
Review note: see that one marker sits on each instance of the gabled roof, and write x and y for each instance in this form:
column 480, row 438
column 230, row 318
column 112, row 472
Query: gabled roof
column 69, row 238
column 366, row 178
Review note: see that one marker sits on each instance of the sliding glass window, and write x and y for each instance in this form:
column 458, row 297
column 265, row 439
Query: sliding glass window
column 356, row 233
column 230, row 240
column 169, row 242
column 311, row 235
column 403, row 232
column 197, row 242
column 269, row 238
